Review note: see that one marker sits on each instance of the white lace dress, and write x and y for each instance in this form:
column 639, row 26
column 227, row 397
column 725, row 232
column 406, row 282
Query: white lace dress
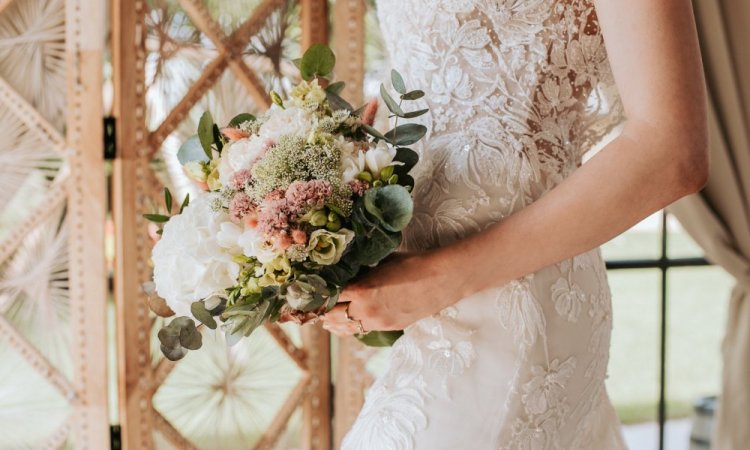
column 518, row 90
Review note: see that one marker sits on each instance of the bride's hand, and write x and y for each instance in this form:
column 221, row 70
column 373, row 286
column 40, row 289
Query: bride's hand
column 393, row 295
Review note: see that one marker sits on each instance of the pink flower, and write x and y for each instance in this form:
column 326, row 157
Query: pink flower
column 241, row 206
column 299, row 236
column 282, row 242
column 234, row 134
column 371, row 109
column 359, row 187
column 303, row 195
column 240, row 179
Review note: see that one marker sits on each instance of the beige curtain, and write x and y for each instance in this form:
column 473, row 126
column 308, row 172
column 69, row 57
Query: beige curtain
column 718, row 218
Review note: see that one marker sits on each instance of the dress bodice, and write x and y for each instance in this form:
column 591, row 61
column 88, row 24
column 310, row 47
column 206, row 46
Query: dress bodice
column 517, row 90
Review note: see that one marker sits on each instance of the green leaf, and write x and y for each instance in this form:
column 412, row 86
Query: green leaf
column 191, row 150
column 406, row 134
column 336, row 102
column 413, row 114
column 239, row 119
column 168, row 200
column 206, row 133
column 318, row 60
column 342, row 272
column 218, row 138
column 336, row 88
column 244, row 319
column 372, row 131
column 156, row 218
column 199, row 311
column 379, row 338
column 408, row 157
column 370, row 250
column 392, row 205
column 390, row 102
column 413, row 95
column 185, row 202
column 398, row 82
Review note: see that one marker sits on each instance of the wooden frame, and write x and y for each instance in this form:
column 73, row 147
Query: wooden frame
column 135, row 183
column 79, row 188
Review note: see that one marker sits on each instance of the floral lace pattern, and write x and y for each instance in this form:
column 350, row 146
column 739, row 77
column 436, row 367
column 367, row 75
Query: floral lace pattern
column 518, row 91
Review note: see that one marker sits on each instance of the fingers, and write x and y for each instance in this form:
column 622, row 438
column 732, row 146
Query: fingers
column 337, row 323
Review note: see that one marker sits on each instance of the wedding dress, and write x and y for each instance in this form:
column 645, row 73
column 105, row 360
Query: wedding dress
column 518, row 90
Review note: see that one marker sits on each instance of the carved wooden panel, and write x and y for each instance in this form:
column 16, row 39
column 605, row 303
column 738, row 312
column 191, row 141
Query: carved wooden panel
column 52, row 204
column 173, row 60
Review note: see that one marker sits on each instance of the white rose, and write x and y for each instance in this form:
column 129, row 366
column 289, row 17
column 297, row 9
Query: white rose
column 189, row 262
column 291, row 120
column 239, row 155
column 380, row 157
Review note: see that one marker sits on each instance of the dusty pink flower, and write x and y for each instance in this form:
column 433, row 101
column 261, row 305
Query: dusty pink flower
column 359, row 187
column 282, row 242
column 240, row 179
column 303, row 195
column 299, row 236
column 371, row 109
column 234, row 134
column 274, row 217
column 240, row 206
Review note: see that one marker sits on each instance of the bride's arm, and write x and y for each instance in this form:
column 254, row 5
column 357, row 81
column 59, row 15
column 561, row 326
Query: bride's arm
column 660, row 156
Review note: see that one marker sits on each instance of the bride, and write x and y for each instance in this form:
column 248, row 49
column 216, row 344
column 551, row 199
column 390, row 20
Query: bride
column 501, row 290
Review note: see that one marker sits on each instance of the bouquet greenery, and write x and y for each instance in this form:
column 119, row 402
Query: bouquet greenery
column 296, row 203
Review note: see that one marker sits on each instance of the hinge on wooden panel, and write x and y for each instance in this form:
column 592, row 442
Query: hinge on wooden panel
column 110, row 138
column 114, row 434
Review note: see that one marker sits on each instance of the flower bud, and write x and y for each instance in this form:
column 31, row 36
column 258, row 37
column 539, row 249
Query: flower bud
column 393, row 179
column 276, row 98
column 386, row 172
column 334, row 225
column 365, row 176
column 332, row 216
column 377, row 183
column 318, row 218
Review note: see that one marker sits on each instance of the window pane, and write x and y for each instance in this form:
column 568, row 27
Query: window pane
column 643, row 241
column 696, row 318
column 633, row 382
column 680, row 244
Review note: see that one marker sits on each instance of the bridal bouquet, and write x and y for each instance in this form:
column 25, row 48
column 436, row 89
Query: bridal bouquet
column 295, row 204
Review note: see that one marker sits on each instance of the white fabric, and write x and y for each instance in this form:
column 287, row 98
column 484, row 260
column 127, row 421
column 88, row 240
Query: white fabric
column 518, row 90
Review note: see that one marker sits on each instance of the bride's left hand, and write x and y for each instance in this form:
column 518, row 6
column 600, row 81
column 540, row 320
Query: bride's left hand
column 393, row 296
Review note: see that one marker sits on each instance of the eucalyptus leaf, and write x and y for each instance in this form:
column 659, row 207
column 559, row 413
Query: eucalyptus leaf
column 185, row 202
column 374, row 248
column 413, row 95
column 336, row 88
column 191, row 150
column 379, row 338
column 318, row 60
column 190, row 337
column 173, row 353
column 392, row 205
column 398, row 82
column 408, row 157
column 336, row 102
column 390, row 102
column 156, row 218
column 406, row 134
column 169, row 336
column 218, row 138
column 159, row 306
column 372, row 131
column 199, row 311
column 206, row 133
column 413, row 114
column 239, row 119
column 168, row 200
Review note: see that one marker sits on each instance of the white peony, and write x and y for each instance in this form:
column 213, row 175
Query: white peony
column 239, row 155
column 189, row 262
column 291, row 120
column 379, row 157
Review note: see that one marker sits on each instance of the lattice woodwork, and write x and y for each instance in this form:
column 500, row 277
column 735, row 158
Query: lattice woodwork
column 52, row 271
column 137, row 186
